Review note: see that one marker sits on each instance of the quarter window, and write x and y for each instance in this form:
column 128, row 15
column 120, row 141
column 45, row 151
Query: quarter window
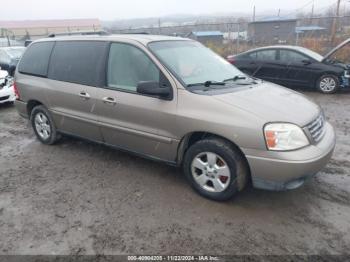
column 127, row 66
column 36, row 59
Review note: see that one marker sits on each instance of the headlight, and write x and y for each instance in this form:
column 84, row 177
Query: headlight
column 284, row 137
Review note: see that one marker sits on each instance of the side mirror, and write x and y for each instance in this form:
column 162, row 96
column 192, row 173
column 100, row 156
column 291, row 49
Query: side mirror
column 306, row 62
column 153, row 88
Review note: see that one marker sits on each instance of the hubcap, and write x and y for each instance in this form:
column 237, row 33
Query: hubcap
column 211, row 172
column 42, row 126
column 328, row 84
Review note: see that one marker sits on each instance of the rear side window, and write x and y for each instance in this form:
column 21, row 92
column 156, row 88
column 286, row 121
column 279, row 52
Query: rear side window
column 77, row 62
column 266, row 55
column 36, row 59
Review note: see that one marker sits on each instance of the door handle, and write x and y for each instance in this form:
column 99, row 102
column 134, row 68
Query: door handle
column 84, row 95
column 109, row 100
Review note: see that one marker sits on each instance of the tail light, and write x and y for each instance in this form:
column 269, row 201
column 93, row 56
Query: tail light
column 231, row 59
column 15, row 89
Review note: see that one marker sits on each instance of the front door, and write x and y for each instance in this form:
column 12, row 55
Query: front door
column 131, row 121
column 300, row 69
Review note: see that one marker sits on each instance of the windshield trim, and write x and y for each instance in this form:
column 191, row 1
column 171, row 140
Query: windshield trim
column 164, row 64
column 170, row 70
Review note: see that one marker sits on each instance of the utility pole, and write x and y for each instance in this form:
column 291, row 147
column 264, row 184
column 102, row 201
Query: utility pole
column 312, row 11
column 335, row 23
column 252, row 31
column 254, row 13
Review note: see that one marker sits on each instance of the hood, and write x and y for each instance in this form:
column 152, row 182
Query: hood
column 273, row 103
column 330, row 53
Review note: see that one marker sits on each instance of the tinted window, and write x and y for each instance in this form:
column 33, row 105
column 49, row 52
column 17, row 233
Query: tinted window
column 252, row 55
column 77, row 62
column 128, row 65
column 291, row 56
column 36, row 59
column 266, row 55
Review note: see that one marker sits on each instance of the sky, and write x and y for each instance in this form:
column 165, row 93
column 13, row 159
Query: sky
column 123, row 9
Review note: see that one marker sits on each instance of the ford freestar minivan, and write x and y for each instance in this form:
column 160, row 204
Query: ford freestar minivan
column 174, row 100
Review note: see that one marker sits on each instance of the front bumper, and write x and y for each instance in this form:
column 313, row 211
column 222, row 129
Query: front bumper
column 7, row 94
column 288, row 170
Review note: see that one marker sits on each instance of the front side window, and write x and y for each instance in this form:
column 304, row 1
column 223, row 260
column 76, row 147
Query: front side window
column 192, row 62
column 127, row 66
column 291, row 56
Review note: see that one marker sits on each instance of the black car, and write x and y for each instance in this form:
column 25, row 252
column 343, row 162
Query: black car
column 294, row 66
column 9, row 57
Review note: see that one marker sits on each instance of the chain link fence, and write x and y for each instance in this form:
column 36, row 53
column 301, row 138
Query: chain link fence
column 234, row 37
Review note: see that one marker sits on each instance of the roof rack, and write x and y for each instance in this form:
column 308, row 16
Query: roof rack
column 102, row 32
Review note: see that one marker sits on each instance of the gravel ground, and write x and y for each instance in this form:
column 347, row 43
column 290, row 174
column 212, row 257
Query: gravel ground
column 81, row 198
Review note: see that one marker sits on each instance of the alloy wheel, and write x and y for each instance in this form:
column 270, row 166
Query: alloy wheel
column 211, row 172
column 328, row 84
column 42, row 126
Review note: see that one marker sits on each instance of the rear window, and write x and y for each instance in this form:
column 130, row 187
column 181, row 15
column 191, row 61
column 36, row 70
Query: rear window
column 77, row 62
column 36, row 59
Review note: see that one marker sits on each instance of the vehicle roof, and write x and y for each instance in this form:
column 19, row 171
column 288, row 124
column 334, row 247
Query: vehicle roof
column 142, row 38
column 291, row 47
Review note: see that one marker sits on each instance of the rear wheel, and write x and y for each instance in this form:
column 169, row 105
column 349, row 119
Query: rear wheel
column 328, row 84
column 215, row 169
column 43, row 125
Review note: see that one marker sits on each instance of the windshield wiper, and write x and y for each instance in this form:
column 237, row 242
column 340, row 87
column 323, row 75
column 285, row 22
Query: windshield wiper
column 208, row 84
column 241, row 77
column 236, row 78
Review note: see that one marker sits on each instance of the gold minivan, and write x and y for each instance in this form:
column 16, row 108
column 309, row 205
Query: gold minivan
column 172, row 99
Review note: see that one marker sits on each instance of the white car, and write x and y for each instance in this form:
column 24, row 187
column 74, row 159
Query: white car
column 7, row 92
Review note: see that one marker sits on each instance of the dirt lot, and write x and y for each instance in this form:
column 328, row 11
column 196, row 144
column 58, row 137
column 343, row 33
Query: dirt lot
column 81, row 198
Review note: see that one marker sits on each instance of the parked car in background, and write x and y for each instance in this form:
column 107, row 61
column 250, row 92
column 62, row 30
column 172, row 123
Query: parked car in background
column 9, row 57
column 7, row 94
column 294, row 66
column 173, row 100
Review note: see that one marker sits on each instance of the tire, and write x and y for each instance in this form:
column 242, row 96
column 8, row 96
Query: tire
column 43, row 125
column 328, row 84
column 205, row 177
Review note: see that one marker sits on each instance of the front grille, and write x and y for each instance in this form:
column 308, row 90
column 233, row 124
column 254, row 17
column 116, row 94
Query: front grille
column 4, row 98
column 316, row 128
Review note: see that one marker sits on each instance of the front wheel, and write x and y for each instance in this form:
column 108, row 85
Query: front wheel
column 215, row 169
column 328, row 84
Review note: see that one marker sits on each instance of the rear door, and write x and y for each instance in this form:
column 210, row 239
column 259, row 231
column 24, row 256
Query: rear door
column 246, row 63
column 73, row 76
column 267, row 66
column 129, row 120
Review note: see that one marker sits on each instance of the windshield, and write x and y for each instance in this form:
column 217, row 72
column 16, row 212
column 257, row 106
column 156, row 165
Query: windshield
column 312, row 54
column 193, row 62
column 15, row 53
